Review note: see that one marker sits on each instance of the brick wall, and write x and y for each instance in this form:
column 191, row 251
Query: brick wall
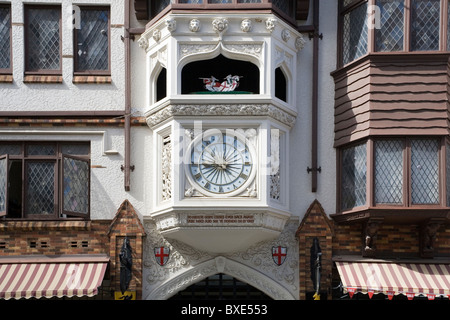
column 392, row 241
column 53, row 238
column 80, row 237
column 315, row 224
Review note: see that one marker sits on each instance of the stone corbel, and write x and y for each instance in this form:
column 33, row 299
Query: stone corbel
column 220, row 25
column 428, row 232
column 370, row 235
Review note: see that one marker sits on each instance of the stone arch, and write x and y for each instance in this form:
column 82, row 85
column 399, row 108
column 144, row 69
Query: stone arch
column 245, row 52
column 221, row 264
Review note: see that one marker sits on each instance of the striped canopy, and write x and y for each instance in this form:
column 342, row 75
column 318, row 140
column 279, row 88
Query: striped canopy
column 50, row 279
column 410, row 279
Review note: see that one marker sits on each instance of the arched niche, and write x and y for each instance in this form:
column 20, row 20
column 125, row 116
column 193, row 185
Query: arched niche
column 281, row 84
column 193, row 73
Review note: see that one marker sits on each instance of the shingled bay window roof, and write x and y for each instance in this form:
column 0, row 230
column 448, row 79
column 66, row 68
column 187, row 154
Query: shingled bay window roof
column 289, row 10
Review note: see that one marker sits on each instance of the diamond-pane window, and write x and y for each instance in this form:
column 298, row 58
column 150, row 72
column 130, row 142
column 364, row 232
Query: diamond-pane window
column 389, row 172
column 5, row 37
column 40, row 191
column 39, row 149
column 425, row 171
column 249, row 1
column 390, row 35
column 425, row 16
column 76, row 185
column 447, row 156
column 355, row 34
column 354, row 170
column 191, row 1
column 43, row 38
column 219, row 1
column 448, row 27
column 3, row 184
column 92, row 40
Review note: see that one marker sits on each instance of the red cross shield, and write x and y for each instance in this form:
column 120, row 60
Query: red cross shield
column 162, row 255
column 279, row 254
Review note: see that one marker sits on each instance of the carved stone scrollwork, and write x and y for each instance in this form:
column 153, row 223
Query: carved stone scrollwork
column 371, row 231
column 221, row 110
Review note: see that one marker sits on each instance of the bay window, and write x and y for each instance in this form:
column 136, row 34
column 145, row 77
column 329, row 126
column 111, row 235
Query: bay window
column 393, row 26
column 395, row 172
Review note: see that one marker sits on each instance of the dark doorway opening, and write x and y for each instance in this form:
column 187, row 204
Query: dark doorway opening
column 221, row 287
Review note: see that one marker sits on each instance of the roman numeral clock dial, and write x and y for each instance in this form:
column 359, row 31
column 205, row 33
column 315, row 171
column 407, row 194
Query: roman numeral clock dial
column 221, row 163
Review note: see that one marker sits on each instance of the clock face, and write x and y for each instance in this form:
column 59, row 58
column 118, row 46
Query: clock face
column 221, row 163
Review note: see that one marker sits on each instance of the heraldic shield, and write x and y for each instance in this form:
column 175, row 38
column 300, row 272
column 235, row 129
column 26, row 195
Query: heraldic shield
column 162, row 255
column 279, row 254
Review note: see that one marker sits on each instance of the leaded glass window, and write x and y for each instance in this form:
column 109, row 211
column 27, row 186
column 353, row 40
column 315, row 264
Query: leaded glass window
column 75, row 185
column 5, row 37
column 425, row 16
column 353, row 177
column 389, row 171
column 447, row 157
column 355, row 34
column 390, row 35
column 448, row 27
column 40, row 191
column 43, row 38
column 425, row 171
column 92, row 40
column 3, row 184
column 191, row 1
column 219, row 1
column 42, row 180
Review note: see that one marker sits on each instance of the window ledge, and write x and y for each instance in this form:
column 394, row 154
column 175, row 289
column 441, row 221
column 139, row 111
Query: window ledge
column 44, row 225
column 401, row 215
column 92, row 79
column 43, row 79
column 6, row 78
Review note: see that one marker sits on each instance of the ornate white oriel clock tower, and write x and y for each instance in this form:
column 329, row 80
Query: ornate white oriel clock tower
column 221, row 102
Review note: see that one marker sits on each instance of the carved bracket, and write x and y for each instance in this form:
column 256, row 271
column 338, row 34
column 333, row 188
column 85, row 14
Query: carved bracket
column 371, row 232
column 428, row 232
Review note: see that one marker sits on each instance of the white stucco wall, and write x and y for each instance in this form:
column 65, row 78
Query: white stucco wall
column 65, row 96
column 300, row 146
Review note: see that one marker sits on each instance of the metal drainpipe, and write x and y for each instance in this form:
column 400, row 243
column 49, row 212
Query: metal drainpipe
column 127, row 125
column 314, row 34
column 315, row 94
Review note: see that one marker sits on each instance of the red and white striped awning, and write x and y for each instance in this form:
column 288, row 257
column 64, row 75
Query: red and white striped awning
column 410, row 279
column 39, row 277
